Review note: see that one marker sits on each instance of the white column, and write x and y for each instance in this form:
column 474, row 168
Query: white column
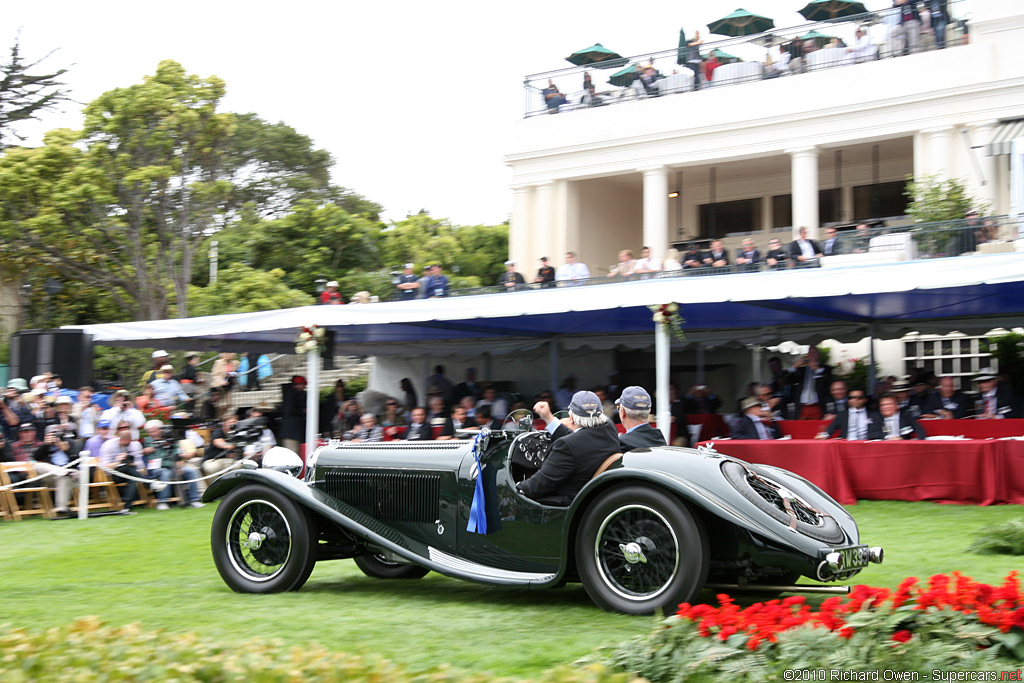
column 520, row 245
column 940, row 156
column 920, row 155
column 656, row 209
column 805, row 190
column 766, row 215
column 543, row 235
column 662, row 364
column 312, row 400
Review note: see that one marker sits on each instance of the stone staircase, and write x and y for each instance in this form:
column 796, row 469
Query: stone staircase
column 345, row 368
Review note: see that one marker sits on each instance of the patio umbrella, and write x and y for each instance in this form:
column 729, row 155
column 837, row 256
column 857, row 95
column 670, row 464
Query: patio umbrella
column 597, row 55
column 822, row 10
column 724, row 56
column 625, row 76
column 741, row 23
column 819, row 39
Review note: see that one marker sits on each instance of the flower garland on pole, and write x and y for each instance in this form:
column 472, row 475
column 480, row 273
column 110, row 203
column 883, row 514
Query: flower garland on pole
column 668, row 316
column 311, row 338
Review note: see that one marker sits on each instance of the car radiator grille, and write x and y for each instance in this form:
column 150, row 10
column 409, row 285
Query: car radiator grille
column 388, row 496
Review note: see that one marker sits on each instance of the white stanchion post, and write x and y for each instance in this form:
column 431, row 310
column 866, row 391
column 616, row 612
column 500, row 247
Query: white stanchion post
column 83, row 485
column 662, row 364
column 312, row 400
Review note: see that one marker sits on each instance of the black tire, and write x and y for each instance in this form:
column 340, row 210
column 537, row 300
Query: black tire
column 640, row 549
column 283, row 541
column 809, row 523
column 377, row 567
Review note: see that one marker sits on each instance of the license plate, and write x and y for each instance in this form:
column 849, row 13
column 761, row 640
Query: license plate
column 855, row 556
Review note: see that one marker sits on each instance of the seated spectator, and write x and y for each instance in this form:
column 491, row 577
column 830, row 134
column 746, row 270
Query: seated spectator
column 457, row 421
column 646, row 263
column 468, row 404
column 836, row 402
column 362, row 297
column 693, row 258
column 748, row 256
column 165, row 464
column 222, row 455
column 947, row 403
column 437, row 413
column 777, row 258
column 804, row 252
column 499, row 406
column 717, row 256
column 367, row 431
column 624, row 266
column 482, row 418
column 123, row 454
column 215, row 407
column 994, row 402
column 123, row 410
column 347, row 417
column 392, row 416
column 710, row 64
column 672, row 260
column 96, row 441
column 701, row 401
column 419, row 428
column 166, row 390
column 856, row 422
column 54, row 453
column 862, row 49
column 755, row 422
column 649, row 78
column 552, row 97
column 896, row 423
column 548, row 398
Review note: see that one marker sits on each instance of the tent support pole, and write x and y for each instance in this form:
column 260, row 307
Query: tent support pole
column 426, row 382
column 872, row 371
column 662, row 363
column 312, row 400
column 756, row 353
column 700, row 363
column 553, row 367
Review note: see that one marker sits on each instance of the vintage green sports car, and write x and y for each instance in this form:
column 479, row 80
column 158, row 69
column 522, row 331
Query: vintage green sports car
column 648, row 532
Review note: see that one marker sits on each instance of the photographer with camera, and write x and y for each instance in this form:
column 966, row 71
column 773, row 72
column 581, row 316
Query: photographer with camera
column 55, row 452
column 123, row 454
column 15, row 411
column 85, row 413
column 222, row 454
column 161, row 452
column 123, row 410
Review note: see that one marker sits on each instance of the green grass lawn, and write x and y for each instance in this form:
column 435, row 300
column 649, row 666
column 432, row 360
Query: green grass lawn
column 156, row 568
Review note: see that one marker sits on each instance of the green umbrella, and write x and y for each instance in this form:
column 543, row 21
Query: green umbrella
column 724, row 56
column 818, row 38
column 597, row 55
column 741, row 23
column 625, row 76
column 822, row 10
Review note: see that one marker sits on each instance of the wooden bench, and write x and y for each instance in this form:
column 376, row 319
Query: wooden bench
column 37, row 500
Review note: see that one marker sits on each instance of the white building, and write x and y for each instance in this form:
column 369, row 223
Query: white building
column 764, row 157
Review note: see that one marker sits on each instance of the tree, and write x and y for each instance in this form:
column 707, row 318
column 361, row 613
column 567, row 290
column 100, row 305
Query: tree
column 242, row 289
column 934, row 199
column 477, row 251
column 23, row 96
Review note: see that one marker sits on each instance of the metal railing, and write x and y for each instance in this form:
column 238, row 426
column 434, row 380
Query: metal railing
column 831, row 45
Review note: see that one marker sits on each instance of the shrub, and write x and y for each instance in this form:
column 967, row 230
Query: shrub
column 1005, row 539
column 87, row 652
column 955, row 624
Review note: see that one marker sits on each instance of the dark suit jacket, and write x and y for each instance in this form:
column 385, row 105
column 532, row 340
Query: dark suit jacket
column 959, row 404
column 420, row 432
column 573, row 459
column 794, row 248
column 841, row 423
column 838, row 247
column 746, row 429
column 822, row 382
column 1004, row 403
column 644, row 436
column 910, row 428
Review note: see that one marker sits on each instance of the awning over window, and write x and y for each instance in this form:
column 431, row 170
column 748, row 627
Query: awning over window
column 1006, row 132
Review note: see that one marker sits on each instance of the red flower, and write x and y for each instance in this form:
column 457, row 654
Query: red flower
column 902, row 636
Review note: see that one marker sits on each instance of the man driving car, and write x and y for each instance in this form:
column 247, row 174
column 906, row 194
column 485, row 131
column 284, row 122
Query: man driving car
column 579, row 449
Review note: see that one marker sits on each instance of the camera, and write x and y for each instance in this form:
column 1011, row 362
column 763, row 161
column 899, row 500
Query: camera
column 249, row 430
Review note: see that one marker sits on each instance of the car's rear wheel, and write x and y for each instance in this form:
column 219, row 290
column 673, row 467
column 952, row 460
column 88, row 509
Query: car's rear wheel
column 379, row 568
column 641, row 549
column 263, row 542
column 769, row 496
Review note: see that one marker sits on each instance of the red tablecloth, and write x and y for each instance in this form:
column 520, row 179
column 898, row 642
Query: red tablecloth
column 978, row 472
column 802, row 429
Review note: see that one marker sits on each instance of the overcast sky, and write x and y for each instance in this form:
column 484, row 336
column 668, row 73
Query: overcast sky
column 415, row 100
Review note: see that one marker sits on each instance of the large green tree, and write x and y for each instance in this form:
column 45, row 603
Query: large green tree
column 471, row 251
column 241, row 289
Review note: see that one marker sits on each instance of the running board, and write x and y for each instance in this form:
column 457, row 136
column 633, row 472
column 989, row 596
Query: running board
column 480, row 572
column 761, row 588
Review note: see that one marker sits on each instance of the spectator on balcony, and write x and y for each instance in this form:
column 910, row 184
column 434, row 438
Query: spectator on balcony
column 939, row 20
column 710, row 64
column 437, row 283
column 994, row 402
column 672, row 260
column 590, row 96
column 861, row 242
column 748, row 256
column 833, row 244
column 624, row 266
column 571, row 270
column 795, row 49
column 804, row 252
column 510, row 279
column 647, row 263
column 896, row 423
column 693, row 258
column 331, row 296
column 408, row 284
column 553, row 99
column 947, row 402
column 649, row 78
column 692, row 54
column 907, row 33
column 862, row 49
column 777, row 257
column 545, row 274
column 717, row 256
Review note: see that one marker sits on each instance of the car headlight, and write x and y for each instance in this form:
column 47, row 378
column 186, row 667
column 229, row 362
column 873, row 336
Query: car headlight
column 283, row 460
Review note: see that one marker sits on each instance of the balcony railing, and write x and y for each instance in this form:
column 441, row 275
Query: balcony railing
column 831, row 45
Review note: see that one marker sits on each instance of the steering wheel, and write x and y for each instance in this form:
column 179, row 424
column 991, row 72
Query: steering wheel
column 520, row 420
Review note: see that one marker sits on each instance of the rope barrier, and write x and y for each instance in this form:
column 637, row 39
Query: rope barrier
column 66, row 469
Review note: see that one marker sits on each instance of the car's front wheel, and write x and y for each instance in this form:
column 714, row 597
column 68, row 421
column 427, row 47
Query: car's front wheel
column 263, row 542
column 379, row 568
column 641, row 549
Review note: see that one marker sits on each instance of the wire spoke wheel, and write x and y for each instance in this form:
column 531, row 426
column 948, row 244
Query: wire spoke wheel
column 637, row 552
column 259, row 540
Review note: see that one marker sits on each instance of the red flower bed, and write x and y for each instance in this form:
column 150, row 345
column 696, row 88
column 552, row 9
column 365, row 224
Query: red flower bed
column 1000, row 607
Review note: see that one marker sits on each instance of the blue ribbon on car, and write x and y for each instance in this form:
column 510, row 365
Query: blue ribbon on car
column 478, row 509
